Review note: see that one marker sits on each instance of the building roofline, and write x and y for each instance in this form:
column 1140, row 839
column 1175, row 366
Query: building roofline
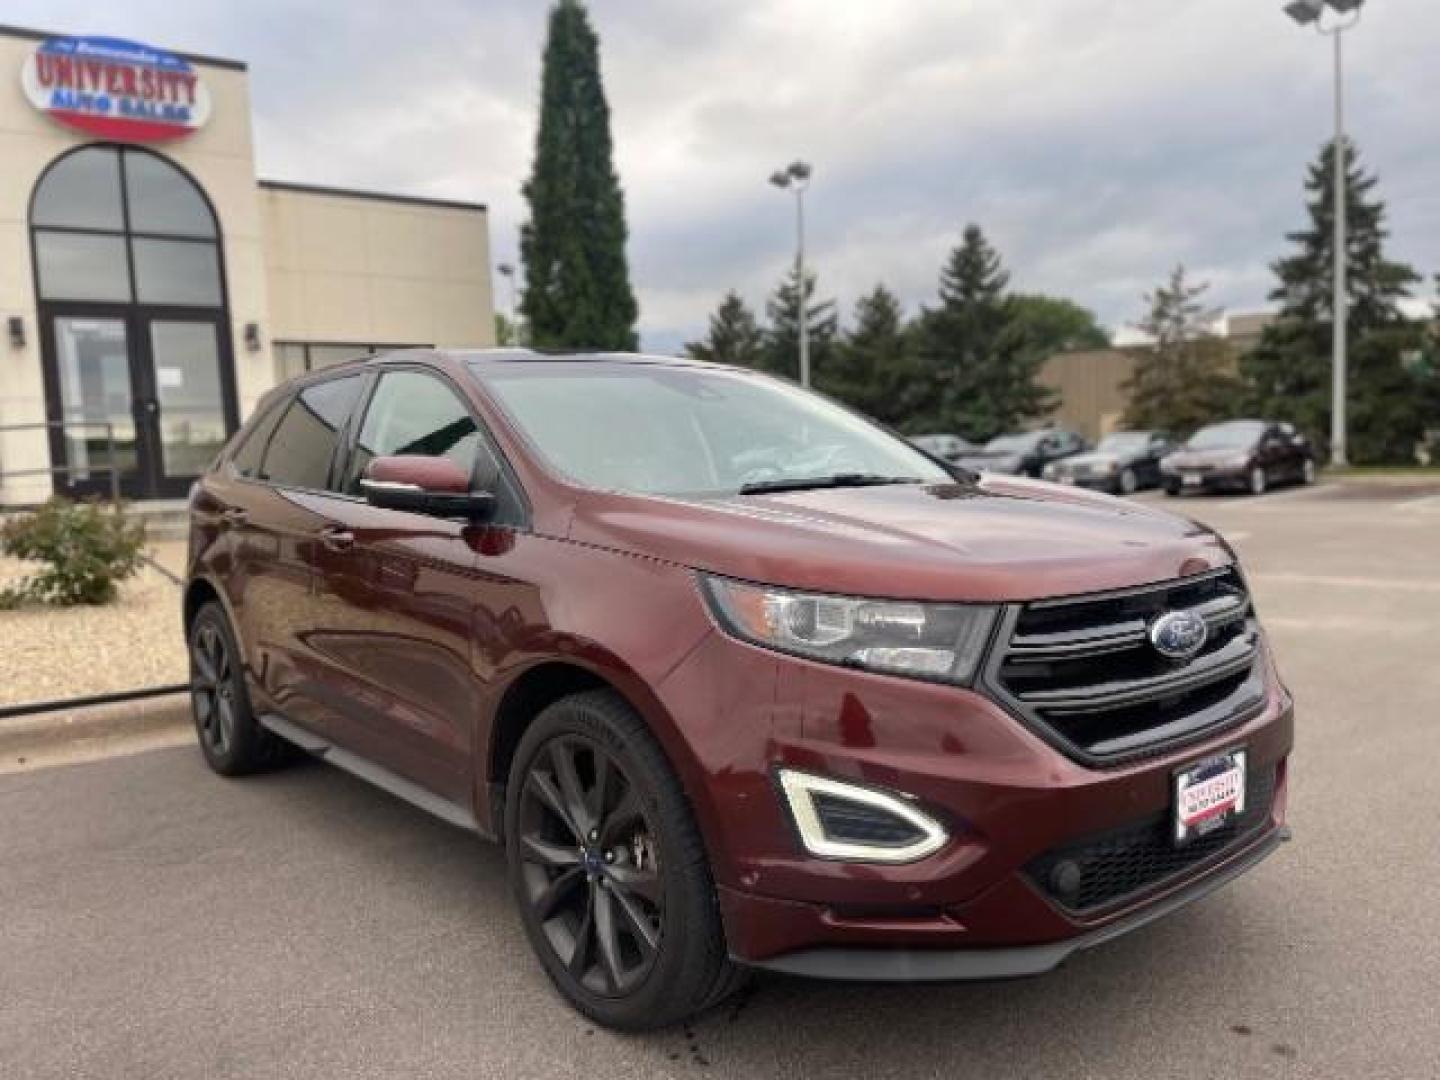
column 376, row 196
column 30, row 34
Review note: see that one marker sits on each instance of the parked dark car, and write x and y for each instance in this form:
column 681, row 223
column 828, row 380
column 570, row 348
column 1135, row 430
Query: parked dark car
column 949, row 448
column 1025, row 453
column 1125, row 462
column 874, row 722
column 1240, row 455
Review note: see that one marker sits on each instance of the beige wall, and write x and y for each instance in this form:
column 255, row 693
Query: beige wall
column 220, row 156
column 359, row 268
column 1089, row 384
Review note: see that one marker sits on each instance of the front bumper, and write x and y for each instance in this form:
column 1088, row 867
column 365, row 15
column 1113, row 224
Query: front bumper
column 954, row 965
column 1007, row 797
column 1211, row 479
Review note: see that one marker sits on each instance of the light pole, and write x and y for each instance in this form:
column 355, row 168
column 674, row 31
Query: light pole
column 507, row 271
column 1312, row 13
column 796, row 177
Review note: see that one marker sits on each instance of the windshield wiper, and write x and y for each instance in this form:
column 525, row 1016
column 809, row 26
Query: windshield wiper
column 837, row 480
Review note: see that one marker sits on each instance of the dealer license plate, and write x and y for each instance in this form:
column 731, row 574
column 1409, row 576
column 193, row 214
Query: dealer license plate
column 1209, row 795
column 1193, row 479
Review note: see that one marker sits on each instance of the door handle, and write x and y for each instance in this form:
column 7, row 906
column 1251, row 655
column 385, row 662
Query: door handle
column 235, row 516
column 336, row 538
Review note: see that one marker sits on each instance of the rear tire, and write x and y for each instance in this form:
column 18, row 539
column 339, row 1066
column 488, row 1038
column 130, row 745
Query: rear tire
column 1172, row 490
column 609, row 871
column 1129, row 482
column 231, row 739
column 1259, row 482
column 1307, row 472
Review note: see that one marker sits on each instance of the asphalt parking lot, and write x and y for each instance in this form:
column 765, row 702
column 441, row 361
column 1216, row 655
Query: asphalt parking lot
column 156, row 921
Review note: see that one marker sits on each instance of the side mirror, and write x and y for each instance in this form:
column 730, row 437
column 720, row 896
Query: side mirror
column 424, row 485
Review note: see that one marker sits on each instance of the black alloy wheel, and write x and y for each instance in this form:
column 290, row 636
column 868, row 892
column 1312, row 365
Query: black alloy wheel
column 609, row 868
column 231, row 739
column 589, row 862
column 212, row 689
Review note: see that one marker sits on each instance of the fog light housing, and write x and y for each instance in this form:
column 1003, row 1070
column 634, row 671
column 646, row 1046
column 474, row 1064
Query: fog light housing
column 850, row 823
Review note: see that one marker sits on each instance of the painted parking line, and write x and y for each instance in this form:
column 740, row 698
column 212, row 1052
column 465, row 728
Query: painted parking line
column 1346, row 582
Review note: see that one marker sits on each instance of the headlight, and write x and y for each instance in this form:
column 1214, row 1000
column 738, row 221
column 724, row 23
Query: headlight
column 939, row 642
column 1237, row 461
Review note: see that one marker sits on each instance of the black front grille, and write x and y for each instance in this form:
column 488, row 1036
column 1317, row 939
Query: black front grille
column 1083, row 672
column 1109, row 868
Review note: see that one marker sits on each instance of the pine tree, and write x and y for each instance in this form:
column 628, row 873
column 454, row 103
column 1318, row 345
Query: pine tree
column 781, row 355
column 874, row 368
column 735, row 337
column 577, row 290
column 1374, row 284
column 1184, row 379
column 1288, row 374
column 977, row 356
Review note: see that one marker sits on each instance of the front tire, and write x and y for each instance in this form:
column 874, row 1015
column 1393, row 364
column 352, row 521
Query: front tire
column 1259, row 482
column 1307, row 472
column 1172, row 490
column 231, row 739
column 1129, row 482
column 609, row 871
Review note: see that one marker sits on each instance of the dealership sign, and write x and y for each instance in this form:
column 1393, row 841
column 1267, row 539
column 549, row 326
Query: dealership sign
column 116, row 89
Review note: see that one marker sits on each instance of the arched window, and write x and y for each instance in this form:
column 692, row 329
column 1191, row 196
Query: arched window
column 122, row 225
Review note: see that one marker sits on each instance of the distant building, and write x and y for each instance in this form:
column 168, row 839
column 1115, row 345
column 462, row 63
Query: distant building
column 1091, row 383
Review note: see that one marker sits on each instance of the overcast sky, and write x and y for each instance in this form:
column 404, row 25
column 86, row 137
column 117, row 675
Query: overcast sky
column 1098, row 142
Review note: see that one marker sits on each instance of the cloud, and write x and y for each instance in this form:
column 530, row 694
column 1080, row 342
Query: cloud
column 1099, row 142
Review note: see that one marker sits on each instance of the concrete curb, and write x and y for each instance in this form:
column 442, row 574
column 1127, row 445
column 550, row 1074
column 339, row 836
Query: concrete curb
column 99, row 731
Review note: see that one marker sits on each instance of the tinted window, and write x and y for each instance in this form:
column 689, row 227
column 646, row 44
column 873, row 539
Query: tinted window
column 82, row 266
column 246, row 460
column 177, row 272
column 414, row 413
column 162, row 199
column 304, row 442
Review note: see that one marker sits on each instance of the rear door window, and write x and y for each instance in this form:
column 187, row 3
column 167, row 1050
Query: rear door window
column 303, row 444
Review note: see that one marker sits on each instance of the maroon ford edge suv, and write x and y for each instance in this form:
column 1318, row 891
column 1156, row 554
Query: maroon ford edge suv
column 740, row 679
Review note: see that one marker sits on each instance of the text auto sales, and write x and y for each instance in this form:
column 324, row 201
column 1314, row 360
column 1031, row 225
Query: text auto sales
column 139, row 91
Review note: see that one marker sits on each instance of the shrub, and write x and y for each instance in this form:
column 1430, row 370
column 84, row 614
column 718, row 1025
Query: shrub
column 88, row 551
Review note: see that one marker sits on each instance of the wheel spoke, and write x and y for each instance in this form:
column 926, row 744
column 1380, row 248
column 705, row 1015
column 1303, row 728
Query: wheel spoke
column 595, row 803
column 579, row 961
column 226, row 725
column 636, row 882
column 646, row 935
column 542, row 852
column 204, row 664
column 558, row 891
column 544, row 787
column 562, row 757
column 607, row 937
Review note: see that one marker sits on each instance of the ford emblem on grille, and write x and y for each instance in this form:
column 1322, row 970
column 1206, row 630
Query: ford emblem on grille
column 1178, row 635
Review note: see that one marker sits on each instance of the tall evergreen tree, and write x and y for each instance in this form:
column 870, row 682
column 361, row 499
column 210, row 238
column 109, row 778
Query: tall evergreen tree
column 874, row 368
column 735, row 337
column 782, row 337
column 577, row 291
column 1288, row 374
column 976, row 354
column 1185, row 378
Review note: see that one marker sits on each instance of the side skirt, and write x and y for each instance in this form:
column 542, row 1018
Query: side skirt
column 453, row 813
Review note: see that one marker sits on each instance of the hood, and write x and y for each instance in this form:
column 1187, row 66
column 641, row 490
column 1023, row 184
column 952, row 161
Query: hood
column 1184, row 457
column 1094, row 457
column 1001, row 539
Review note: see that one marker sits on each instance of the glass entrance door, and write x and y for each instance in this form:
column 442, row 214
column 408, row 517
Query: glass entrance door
column 185, row 398
column 93, row 371
column 157, row 377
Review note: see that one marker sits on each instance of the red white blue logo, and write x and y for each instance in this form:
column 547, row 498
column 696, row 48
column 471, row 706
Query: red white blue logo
column 116, row 89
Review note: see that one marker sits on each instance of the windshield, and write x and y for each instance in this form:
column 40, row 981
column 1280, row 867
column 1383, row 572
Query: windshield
column 1013, row 444
column 658, row 430
column 1123, row 442
column 1237, row 434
